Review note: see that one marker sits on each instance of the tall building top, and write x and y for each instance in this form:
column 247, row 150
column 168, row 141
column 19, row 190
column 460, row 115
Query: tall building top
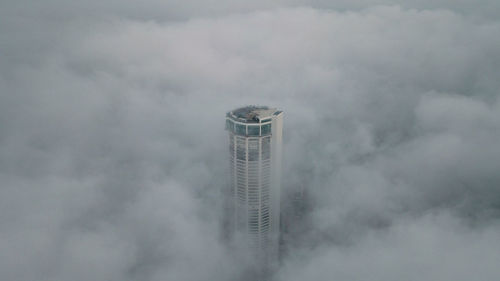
column 253, row 114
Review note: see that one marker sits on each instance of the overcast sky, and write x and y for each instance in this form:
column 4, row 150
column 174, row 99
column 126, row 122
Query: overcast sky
column 113, row 149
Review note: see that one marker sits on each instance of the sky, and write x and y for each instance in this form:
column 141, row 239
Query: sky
column 113, row 150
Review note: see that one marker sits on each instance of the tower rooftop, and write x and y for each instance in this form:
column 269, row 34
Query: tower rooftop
column 253, row 113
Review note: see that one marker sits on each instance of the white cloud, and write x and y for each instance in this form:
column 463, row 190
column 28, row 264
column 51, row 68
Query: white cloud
column 112, row 149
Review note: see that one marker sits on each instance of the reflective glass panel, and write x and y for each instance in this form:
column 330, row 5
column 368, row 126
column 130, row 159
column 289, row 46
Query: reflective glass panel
column 229, row 125
column 241, row 129
column 266, row 129
column 253, row 130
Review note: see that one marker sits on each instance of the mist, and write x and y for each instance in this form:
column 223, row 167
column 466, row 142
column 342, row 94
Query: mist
column 113, row 151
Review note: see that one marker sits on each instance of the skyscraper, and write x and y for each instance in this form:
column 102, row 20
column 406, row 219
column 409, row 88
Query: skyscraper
column 255, row 144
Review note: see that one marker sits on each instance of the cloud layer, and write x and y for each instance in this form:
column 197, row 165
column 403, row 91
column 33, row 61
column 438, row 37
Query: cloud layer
column 112, row 148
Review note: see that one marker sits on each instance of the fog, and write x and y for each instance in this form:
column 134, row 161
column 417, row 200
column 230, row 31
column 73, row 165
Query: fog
column 113, row 150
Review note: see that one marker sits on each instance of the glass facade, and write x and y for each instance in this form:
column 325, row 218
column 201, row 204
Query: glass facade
column 248, row 130
column 253, row 130
column 241, row 129
column 229, row 125
column 251, row 187
column 266, row 129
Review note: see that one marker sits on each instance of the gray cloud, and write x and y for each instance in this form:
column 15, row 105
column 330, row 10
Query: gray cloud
column 112, row 149
column 432, row 247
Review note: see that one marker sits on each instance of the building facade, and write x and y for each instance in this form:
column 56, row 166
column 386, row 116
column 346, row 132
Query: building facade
column 255, row 145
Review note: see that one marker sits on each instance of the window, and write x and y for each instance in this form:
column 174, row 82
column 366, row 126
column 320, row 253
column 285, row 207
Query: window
column 253, row 130
column 266, row 129
column 253, row 149
column 266, row 148
column 241, row 149
column 229, row 125
column 241, row 129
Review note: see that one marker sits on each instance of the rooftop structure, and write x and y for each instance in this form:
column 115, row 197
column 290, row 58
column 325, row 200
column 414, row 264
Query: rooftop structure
column 253, row 114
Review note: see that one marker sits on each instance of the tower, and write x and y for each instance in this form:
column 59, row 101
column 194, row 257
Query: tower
column 255, row 145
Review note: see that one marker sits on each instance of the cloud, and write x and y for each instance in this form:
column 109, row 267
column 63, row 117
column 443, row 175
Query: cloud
column 112, row 148
column 433, row 247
